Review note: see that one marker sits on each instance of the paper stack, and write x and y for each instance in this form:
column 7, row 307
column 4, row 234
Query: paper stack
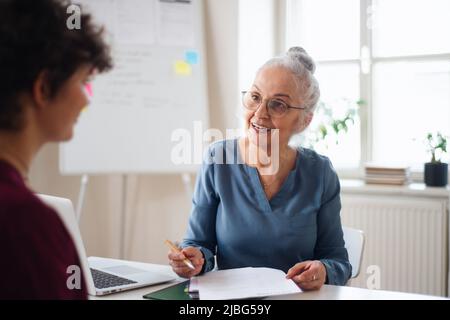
column 382, row 174
column 241, row 283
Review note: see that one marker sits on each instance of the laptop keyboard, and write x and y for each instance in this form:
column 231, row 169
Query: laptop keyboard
column 104, row 280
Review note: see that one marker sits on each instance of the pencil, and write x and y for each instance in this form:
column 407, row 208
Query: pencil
column 175, row 249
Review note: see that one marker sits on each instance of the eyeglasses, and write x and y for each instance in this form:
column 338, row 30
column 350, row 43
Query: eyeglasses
column 275, row 107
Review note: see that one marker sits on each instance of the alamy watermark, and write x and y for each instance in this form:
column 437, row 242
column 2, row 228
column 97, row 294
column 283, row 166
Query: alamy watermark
column 373, row 281
column 194, row 148
column 74, row 279
column 73, row 22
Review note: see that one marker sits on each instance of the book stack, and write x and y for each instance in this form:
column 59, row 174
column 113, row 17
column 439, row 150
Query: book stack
column 382, row 174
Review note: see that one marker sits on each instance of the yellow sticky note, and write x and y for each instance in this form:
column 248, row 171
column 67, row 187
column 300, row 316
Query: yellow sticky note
column 182, row 68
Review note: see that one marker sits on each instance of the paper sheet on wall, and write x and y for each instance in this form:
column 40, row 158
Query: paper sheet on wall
column 175, row 23
column 126, row 20
column 243, row 283
column 146, row 94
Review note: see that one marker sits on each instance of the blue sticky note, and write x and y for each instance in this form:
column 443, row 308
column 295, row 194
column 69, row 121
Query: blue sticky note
column 191, row 57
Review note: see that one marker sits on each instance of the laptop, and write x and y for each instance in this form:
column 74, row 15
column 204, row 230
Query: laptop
column 103, row 275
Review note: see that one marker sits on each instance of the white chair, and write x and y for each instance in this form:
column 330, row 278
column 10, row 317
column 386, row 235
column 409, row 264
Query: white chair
column 354, row 243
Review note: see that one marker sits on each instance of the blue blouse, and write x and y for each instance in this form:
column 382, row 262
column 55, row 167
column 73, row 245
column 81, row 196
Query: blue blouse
column 233, row 219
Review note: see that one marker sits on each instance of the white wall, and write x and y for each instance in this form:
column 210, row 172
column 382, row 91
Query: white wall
column 157, row 205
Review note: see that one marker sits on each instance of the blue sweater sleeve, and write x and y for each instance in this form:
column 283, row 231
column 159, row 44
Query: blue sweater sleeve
column 330, row 248
column 201, row 232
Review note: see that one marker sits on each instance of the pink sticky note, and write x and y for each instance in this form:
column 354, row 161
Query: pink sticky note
column 89, row 89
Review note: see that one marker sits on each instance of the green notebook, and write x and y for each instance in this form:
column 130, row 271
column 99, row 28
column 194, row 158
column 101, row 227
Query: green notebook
column 178, row 291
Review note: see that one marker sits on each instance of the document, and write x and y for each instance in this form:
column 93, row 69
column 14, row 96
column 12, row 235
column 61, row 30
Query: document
column 242, row 283
column 176, row 23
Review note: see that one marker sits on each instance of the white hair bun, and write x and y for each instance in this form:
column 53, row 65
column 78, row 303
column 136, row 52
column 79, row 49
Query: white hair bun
column 303, row 57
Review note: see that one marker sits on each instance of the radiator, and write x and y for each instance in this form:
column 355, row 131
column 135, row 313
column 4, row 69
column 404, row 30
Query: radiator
column 406, row 241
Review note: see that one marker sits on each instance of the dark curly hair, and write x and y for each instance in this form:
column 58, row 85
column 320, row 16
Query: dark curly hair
column 34, row 38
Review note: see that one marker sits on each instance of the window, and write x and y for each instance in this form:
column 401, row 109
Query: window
column 392, row 54
column 256, row 39
column 410, row 98
column 329, row 30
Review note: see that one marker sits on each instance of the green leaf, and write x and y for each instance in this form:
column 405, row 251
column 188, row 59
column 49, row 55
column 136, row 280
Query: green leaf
column 436, row 142
column 361, row 102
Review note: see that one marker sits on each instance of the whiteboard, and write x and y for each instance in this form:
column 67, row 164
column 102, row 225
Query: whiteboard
column 158, row 85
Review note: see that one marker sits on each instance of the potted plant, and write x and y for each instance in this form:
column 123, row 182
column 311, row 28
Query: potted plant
column 332, row 124
column 435, row 173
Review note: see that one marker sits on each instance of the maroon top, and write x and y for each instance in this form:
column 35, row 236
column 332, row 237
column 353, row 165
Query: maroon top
column 35, row 247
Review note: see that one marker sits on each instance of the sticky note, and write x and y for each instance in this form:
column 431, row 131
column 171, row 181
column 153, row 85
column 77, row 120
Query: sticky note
column 182, row 68
column 88, row 87
column 191, row 57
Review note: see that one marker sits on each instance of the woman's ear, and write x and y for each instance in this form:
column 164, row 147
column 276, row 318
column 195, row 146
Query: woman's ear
column 41, row 90
column 308, row 118
column 304, row 123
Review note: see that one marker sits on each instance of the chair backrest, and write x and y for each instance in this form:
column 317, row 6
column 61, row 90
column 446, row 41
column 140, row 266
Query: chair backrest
column 66, row 213
column 354, row 243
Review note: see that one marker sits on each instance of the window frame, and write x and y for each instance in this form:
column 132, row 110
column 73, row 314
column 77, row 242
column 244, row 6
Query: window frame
column 365, row 61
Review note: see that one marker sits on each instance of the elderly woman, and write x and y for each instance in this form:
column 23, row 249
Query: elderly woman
column 276, row 206
column 44, row 70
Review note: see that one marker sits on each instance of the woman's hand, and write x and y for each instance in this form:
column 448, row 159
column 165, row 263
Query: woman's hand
column 308, row 275
column 180, row 268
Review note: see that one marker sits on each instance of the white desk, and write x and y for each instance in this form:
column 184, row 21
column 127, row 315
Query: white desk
column 327, row 292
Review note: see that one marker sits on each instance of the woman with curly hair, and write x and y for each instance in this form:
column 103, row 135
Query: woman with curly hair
column 44, row 69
